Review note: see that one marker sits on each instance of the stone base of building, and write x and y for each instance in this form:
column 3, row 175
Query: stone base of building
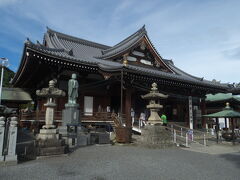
column 156, row 136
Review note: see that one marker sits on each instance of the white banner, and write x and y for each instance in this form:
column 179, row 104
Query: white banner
column 190, row 112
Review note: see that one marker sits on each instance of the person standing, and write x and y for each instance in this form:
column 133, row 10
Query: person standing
column 132, row 115
column 164, row 119
column 142, row 119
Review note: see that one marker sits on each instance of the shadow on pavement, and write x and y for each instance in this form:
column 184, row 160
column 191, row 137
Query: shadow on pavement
column 234, row 158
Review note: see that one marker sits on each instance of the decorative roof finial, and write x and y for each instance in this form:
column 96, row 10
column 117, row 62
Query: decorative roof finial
column 154, row 87
column 227, row 105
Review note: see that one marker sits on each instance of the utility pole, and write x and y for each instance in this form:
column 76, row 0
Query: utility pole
column 4, row 63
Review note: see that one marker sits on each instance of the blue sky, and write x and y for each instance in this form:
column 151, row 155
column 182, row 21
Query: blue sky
column 202, row 37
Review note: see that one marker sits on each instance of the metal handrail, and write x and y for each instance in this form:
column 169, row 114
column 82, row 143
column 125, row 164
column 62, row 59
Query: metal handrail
column 190, row 136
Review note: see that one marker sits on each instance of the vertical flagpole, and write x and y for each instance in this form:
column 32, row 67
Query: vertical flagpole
column 4, row 63
column 1, row 85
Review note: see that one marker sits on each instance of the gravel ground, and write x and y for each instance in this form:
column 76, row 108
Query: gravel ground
column 128, row 162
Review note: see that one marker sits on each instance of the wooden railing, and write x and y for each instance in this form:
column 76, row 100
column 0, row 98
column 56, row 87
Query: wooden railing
column 39, row 116
column 99, row 117
column 93, row 117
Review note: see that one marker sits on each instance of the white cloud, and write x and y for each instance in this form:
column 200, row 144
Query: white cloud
column 199, row 35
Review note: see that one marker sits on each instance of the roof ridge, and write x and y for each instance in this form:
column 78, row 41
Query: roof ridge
column 29, row 43
column 76, row 39
column 142, row 31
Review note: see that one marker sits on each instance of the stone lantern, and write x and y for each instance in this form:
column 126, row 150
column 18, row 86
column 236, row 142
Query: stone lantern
column 48, row 140
column 154, row 134
column 153, row 96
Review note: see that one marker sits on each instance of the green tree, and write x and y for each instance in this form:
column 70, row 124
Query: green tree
column 8, row 75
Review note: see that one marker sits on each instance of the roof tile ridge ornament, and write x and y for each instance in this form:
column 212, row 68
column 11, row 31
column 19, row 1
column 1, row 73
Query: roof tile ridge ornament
column 29, row 43
column 168, row 61
column 227, row 105
column 76, row 39
column 47, row 41
column 141, row 32
column 143, row 29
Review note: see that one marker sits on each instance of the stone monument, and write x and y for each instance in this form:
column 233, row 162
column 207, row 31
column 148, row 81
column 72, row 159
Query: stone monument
column 71, row 129
column 11, row 157
column 8, row 135
column 48, row 140
column 154, row 134
column 2, row 130
column 154, row 105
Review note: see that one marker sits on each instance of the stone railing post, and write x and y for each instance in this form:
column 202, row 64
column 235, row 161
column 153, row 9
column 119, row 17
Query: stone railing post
column 2, row 130
column 12, row 141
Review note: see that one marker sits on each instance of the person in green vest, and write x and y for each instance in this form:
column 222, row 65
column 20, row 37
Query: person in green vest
column 164, row 119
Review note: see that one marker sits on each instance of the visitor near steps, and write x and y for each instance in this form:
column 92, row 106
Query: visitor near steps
column 164, row 119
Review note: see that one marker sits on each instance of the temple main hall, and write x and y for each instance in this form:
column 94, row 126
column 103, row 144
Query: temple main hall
column 112, row 78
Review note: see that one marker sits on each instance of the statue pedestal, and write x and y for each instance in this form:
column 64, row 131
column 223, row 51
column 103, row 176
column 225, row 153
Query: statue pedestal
column 71, row 115
column 156, row 136
column 74, row 135
column 47, row 134
column 71, row 125
column 49, row 143
column 49, row 115
column 48, row 140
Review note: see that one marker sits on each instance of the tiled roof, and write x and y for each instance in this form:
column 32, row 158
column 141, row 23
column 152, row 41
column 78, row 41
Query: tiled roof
column 77, row 48
column 125, row 44
column 82, row 51
column 222, row 97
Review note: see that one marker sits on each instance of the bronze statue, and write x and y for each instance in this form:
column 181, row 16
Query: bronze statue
column 72, row 89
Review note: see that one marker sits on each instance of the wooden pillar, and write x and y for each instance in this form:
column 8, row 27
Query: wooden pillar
column 186, row 117
column 203, row 111
column 233, row 135
column 128, row 104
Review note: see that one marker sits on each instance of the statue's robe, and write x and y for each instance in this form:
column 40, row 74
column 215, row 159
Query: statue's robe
column 72, row 89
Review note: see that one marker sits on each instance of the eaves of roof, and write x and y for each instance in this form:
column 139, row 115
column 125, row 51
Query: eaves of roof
column 111, row 66
column 15, row 94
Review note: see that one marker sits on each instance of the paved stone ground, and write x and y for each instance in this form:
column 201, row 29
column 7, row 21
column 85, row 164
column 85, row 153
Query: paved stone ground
column 128, row 162
column 216, row 149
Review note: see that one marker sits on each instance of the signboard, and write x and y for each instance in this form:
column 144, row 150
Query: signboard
column 190, row 112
